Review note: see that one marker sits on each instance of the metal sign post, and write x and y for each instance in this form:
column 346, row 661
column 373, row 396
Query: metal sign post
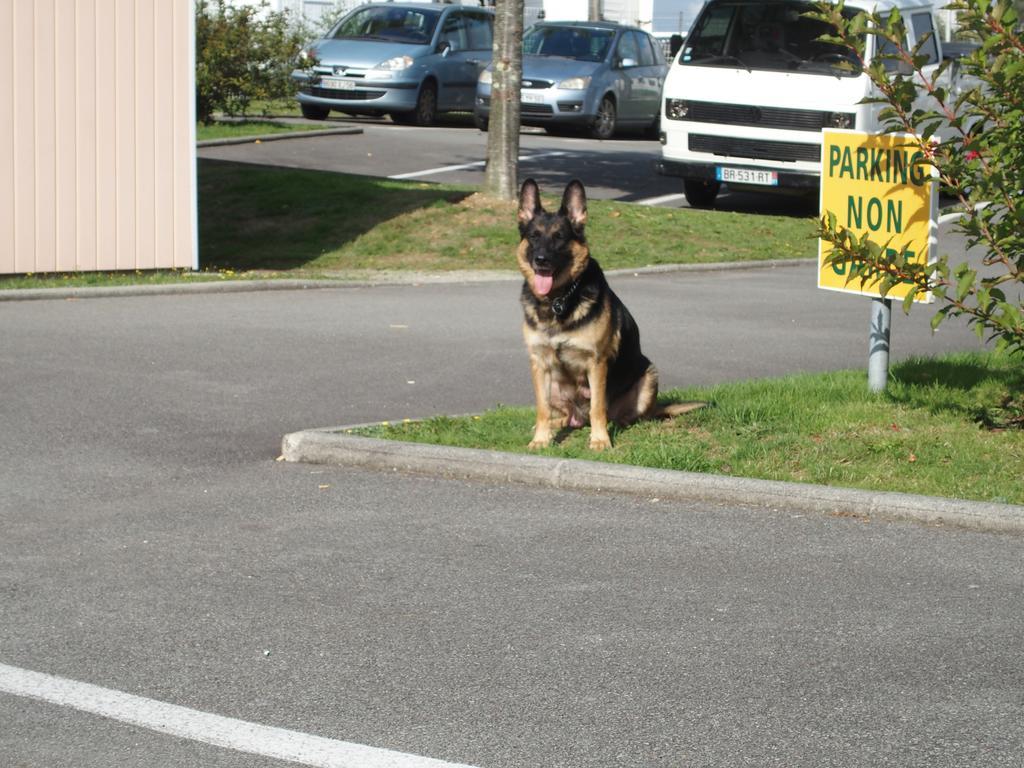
column 878, row 344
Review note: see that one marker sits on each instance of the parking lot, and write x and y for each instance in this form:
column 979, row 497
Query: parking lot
column 174, row 592
column 154, row 548
column 455, row 153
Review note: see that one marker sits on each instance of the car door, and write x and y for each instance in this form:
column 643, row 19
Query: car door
column 652, row 76
column 626, row 63
column 920, row 27
column 922, row 30
column 480, row 31
column 467, row 37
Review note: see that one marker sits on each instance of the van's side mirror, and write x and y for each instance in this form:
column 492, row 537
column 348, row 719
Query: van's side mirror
column 674, row 44
column 444, row 48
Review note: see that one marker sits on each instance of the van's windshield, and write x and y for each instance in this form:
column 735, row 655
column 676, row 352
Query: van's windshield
column 773, row 35
column 400, row 25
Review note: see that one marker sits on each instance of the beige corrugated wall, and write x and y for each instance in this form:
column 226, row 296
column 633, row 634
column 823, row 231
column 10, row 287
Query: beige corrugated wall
column 97, row 135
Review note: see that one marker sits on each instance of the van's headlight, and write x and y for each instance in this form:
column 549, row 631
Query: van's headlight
column 841, row 119
column 485, row 77
column 575, row 84
column 396, row 64
column 676, row 109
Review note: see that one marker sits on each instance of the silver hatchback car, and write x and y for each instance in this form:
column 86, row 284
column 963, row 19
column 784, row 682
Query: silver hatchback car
column 595, row 76
column 410, row 61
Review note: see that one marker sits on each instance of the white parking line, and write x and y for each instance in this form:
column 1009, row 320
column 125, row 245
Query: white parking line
column 464, row 166
column 662, row 199
column 204, row 727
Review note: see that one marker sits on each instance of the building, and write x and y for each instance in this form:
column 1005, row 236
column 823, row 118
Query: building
column 97, row 136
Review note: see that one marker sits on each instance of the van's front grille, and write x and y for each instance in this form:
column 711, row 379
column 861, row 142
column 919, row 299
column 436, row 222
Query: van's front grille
column 760, row 117
column 758, row 149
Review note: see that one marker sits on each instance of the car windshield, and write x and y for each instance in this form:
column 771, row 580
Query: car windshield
column 568, row 42
column 766, row 36
column 404, row 25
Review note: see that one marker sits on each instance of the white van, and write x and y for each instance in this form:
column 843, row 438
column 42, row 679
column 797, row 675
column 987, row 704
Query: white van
column 747, row 95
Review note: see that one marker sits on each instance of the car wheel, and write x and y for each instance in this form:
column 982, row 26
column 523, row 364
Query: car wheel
column 603, row 126
column 426, row 107
column 480, row 121
column 700, row 193
column 313, row 112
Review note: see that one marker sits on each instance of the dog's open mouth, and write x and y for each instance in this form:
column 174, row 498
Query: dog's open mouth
column 543, row 279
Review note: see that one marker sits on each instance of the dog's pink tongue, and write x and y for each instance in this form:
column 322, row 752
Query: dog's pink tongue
column 542, row 284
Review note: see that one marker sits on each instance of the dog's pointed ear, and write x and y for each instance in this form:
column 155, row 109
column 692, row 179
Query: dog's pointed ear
column 529, row 202
column 574, row 204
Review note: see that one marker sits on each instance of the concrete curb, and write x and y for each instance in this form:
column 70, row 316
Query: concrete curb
column 725, row 266
column 334, row 446
column 277, row 137
column 348, row 280
column 168, row 289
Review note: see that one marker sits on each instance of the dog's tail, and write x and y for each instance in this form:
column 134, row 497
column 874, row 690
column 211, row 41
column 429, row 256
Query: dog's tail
column 671, row 410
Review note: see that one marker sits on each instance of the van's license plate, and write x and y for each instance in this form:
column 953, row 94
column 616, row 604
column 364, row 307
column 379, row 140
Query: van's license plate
column 747, row 176
column 337, row 84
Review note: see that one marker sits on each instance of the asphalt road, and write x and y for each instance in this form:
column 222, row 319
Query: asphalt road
column 151, row 545
column 619, row 169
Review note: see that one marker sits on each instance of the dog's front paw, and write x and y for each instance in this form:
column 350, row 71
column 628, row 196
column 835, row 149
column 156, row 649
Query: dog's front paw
column 600, row 442
column 542, row 438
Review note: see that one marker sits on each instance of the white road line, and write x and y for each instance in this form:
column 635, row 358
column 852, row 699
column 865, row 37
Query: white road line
column 662, row 199
column 204, row 727
column 443, row 169
column 464, row 166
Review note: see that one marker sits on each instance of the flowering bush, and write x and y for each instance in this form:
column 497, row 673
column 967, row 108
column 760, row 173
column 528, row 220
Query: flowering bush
column 981, row 164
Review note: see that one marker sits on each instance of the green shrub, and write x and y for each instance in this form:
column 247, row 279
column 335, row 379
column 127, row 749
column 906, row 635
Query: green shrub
column 982, row 164
column 242, row 54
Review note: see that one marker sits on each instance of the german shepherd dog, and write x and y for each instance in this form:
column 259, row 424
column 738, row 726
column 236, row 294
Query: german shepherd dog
column 584, row 345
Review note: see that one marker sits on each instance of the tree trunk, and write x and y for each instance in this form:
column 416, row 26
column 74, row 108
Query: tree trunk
column 503, row 129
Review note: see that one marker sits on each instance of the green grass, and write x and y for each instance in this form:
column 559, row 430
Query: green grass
column 287, row 107
column 252, row 127
column 262, row 217
column 945, row 427
column 284, row 222
column 114, row 279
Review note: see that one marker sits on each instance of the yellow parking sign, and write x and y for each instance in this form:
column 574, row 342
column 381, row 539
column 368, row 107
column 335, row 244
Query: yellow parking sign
column 876, row 185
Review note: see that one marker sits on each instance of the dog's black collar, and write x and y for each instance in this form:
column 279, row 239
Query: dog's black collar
column 560, row 305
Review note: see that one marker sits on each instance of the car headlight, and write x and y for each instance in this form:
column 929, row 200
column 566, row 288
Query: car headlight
column 396, row 64
column 485, row 77
column 575, row 84
column 841, row 119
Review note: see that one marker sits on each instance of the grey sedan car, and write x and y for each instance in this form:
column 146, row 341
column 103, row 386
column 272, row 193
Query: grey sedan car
column 410, row 61
column 594, row 76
